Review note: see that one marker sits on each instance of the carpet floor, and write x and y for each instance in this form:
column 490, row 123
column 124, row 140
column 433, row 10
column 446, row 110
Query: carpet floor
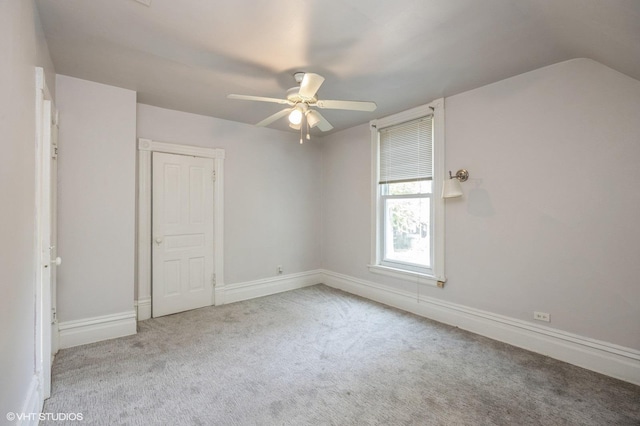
column 319, row 356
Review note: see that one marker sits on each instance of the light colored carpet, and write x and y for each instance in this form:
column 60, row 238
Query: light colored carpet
column 318, row 356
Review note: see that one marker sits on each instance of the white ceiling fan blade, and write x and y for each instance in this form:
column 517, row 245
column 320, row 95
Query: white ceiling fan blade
column 260, row 99
column 350, row 105
column 274, row 117
column 323, row 124
column 310, row 84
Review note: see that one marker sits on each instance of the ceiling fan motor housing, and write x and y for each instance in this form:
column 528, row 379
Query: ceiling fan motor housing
column 293, row 95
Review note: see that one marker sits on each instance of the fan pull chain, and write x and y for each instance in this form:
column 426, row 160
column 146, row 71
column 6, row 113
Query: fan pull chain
column 308, row 135
column 301, row 134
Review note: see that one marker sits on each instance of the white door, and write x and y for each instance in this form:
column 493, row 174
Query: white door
column 182, row 233
column 48, row 230
column 46, row 332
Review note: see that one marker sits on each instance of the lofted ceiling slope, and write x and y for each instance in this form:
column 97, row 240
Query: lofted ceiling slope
column 189, row 54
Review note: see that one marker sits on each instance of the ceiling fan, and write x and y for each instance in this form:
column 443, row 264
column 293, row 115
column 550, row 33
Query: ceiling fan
column 301, row 99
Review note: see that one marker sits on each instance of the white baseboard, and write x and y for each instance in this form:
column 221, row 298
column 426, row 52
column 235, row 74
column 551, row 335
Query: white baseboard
column 602, row 357
column 90, row 330
column 143, row 308
column 247, row 290
column 32, row 405
column 264, row 287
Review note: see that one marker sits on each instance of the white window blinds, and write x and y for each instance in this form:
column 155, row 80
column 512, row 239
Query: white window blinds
column 406, row 151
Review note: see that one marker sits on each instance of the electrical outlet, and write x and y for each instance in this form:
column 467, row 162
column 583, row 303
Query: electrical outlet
column 280, row 270
column 541, row 316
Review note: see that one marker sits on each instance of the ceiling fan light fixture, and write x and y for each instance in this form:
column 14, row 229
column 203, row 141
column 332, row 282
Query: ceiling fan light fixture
column 312, row 118
column 295, row 117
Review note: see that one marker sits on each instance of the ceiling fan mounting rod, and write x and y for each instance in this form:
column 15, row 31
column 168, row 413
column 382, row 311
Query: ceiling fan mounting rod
column 298, row 76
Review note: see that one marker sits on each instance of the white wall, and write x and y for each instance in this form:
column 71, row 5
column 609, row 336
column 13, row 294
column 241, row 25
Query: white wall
column 347, row 201
column 549, row 220
column 96, row 199
column 21, row 49
column 272, row 198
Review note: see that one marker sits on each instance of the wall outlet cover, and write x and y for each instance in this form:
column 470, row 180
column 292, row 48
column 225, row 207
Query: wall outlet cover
column 541, row 316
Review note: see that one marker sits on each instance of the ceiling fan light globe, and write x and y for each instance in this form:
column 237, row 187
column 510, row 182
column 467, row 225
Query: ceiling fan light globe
column 312, row 119
column 295, row 117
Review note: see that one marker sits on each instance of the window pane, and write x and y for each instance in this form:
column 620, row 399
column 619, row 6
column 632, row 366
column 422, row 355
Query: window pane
column 406, row 230
column 403, row 188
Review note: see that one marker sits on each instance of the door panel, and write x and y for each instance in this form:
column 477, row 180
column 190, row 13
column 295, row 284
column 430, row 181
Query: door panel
column 196, row 273
column 182, row 216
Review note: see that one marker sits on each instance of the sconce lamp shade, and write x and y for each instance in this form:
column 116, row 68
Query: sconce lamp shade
column 451, row 188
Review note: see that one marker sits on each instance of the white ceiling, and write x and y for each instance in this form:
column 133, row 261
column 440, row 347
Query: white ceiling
column 189, row 54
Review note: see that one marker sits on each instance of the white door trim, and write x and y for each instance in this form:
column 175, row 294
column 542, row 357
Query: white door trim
column 145, row 148
column 55, row 260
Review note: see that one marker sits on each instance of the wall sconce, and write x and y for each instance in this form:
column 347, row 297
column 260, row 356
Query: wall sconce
column 451, row 187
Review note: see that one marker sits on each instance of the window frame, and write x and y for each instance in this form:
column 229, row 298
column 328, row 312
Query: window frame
column 435, row 275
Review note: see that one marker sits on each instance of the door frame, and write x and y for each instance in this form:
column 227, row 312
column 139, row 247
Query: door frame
column 55, row 259
column 143, row 261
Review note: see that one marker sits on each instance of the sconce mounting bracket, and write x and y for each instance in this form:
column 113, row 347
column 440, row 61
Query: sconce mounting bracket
column 462, row 175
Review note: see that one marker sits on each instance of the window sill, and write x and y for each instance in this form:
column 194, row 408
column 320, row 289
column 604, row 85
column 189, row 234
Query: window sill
column 414, row 277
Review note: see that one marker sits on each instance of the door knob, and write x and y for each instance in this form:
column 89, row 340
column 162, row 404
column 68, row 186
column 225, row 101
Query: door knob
column 158, row 240
column 57, row 261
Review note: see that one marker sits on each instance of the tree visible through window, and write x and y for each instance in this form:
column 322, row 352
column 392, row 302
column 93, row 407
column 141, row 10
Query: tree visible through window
column 406, row 213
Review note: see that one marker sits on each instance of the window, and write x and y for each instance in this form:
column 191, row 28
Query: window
column 408, row 216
